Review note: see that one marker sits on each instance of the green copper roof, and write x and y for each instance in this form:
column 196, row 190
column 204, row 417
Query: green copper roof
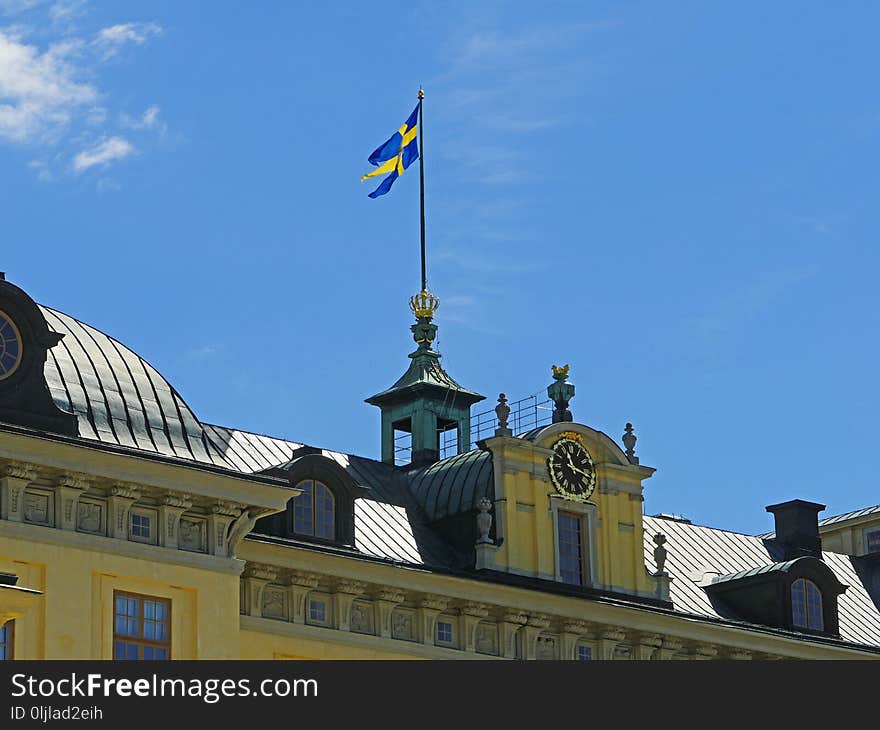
column 425, row 373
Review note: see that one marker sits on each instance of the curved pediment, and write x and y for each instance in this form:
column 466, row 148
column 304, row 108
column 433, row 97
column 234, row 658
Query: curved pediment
column 602, row 447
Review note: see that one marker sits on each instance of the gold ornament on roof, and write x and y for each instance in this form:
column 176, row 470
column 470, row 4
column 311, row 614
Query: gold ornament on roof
column 424, row 304
column 560, row 373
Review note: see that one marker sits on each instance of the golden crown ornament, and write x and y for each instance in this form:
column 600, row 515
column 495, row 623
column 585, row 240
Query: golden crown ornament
column 424, row 304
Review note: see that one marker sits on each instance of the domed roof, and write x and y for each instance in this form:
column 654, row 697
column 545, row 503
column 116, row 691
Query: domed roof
column 118, row 397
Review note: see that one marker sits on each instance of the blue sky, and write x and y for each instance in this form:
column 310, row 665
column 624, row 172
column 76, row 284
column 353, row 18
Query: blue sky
column 678, row 199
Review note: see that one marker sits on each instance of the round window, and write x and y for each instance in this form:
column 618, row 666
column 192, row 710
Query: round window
column 10, row 346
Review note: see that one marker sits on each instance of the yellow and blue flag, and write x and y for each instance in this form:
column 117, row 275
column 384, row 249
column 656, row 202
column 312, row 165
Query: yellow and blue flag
column 396, row 154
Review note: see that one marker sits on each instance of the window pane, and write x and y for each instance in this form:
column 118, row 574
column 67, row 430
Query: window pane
column 302, row 509
column 570, row 549
column 131, row 632
column 584, row 653
column 444, row 631
column 325, row 524
column 6, row 633
column 799, row 603
column 814, row 607
column 317, row 611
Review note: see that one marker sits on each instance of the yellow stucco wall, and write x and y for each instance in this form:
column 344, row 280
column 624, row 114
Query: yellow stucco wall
column 73, row 619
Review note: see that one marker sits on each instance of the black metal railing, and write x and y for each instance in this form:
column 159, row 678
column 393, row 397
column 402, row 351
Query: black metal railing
column 525, row 414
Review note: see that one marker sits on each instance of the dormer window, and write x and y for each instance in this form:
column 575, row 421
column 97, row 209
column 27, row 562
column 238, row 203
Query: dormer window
column 314, row 511
column 806, row 605
column 323, row 511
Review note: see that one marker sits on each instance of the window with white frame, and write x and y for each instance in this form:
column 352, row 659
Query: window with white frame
column 445, row 631
column 318, row 611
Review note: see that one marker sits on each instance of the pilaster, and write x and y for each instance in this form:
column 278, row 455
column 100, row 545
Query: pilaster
column 511, row 623
column 68, row 489
column 256, row 578
column 222, row 515
column 122, row 497
column 608, row 641
column 173, row 506
column 430, row 608
column 386, row 601
column 301, row 584
column 343, row 597
column 534, row 626
column 16, row 477
column 472, row 613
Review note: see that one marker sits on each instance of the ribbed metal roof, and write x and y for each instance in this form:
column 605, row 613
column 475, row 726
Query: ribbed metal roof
column 118, row 397
column 867, row 511
column 388, row 522
column 762, row 570
column 454, row 485
column 697, row 554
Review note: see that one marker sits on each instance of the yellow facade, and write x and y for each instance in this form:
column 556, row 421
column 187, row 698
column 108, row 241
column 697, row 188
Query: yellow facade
column 146, row 502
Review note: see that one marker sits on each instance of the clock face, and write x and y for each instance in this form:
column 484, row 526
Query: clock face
column 571, row 469
column 10, row 346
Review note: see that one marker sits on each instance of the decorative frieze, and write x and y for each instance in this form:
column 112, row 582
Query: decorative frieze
column 20, row 470
column 37, row 508
column 403, row 624
column 274, row 602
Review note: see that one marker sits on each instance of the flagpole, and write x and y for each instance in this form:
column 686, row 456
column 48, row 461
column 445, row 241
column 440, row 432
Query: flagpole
column 422, row 186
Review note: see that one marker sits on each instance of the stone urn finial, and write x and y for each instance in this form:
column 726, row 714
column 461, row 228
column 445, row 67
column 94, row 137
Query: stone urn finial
column 502, row 410
column 629, row 441
column 484, row 522
column 660, row 553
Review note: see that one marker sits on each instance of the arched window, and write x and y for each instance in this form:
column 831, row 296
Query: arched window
column 806, row 605
column 314, row 511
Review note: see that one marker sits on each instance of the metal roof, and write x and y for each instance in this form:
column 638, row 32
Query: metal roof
column 697, row 554
column 118, row 397
column 454, row 485
column 867, row 511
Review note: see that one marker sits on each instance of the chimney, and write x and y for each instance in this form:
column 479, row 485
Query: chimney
column 797, row 528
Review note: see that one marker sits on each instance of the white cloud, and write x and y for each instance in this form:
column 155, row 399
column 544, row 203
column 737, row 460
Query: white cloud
column 103, row 153
column 11, row 7
column 38, row 91
column 148, row 120
column 111, row 39
column 65, row 12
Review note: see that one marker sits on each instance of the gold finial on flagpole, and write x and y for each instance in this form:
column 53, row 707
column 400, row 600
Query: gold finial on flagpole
column 421, row 94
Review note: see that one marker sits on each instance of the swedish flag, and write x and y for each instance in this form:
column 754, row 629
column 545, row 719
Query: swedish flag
column 396, row 154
